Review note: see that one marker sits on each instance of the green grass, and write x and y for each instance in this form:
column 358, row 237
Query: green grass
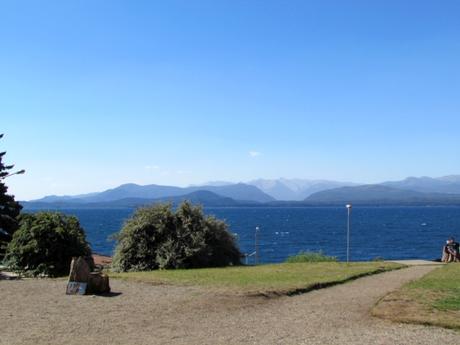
column 442, row 284
column 311, row 257
column 279, row 279
column 432, row 300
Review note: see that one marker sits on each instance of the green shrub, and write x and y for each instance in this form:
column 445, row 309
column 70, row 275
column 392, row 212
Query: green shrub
column 45, row 243
column 310, row 257
column 159, row 237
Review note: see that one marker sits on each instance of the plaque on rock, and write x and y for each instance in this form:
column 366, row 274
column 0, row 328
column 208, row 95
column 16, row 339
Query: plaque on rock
column 76, row 288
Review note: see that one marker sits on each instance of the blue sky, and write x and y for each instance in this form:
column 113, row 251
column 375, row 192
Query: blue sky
column 98, row 93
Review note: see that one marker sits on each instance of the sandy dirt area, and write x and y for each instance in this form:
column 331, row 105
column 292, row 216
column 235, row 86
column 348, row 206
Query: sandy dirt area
column 38, row 312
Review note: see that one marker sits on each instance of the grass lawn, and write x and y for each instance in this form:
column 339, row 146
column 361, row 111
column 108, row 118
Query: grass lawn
column 432, row 300
column 278, row 279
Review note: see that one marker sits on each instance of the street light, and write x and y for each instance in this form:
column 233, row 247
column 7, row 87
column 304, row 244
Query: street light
column 256, row 259
column 349, row 207
column 20, row 172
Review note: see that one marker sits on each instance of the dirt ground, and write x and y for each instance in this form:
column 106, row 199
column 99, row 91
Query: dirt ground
column 38, row 312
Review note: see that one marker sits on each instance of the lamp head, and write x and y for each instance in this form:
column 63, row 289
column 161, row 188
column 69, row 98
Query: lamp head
column 349, row 206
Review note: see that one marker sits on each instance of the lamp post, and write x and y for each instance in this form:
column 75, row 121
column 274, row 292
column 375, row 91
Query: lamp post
column 349, row 207
column 256, row 258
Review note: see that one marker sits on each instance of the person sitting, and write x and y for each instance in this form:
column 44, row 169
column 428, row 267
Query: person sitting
column 450, row 251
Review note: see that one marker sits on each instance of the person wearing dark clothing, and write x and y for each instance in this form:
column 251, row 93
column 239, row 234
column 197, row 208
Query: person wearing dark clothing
column 450, row 251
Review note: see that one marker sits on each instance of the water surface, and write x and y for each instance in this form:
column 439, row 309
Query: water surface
column 386, row 232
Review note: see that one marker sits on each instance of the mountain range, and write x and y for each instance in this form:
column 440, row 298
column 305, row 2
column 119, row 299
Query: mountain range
column 295, row 189
column 241, row 192
column 279, row 192
column 381, row 195
column 447, row 184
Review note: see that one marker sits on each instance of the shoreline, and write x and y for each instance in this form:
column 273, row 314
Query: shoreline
column 102, row 260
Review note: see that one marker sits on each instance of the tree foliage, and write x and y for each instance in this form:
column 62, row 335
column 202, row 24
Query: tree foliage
column 45, row 244
column 159, row 237
column 9, row 208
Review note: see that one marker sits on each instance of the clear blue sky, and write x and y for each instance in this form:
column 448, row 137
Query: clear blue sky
column 98, row 93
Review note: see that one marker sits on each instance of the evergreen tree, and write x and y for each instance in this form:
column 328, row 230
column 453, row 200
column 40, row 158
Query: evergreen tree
column 9, row 208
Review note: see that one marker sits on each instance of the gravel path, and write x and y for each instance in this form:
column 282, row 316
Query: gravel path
column 37, row 312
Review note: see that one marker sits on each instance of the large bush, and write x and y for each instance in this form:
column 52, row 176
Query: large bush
column 159, row 237
column 45, row 244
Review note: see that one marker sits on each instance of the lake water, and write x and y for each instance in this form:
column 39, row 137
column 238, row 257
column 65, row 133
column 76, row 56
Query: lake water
column 387, row 232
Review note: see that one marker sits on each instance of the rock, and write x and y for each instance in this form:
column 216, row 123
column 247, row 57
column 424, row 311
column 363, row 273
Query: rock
column 98, row 283
column 80, row 272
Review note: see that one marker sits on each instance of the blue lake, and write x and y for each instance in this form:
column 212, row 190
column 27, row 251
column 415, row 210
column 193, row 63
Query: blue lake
column 387, row 232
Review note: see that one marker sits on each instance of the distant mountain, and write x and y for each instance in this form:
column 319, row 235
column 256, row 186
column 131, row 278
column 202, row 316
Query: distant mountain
column 364, row 195
column 295, row 189
column 239, row 191
column 450, row 178
column 447, row 184
column 57, row 198
column 275, row 192
column 213, row 183
column 204, row 198
column 132, row 190
column 379, row 194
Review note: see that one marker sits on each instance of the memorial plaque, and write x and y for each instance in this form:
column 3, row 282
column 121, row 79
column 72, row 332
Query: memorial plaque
column 76, row 288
